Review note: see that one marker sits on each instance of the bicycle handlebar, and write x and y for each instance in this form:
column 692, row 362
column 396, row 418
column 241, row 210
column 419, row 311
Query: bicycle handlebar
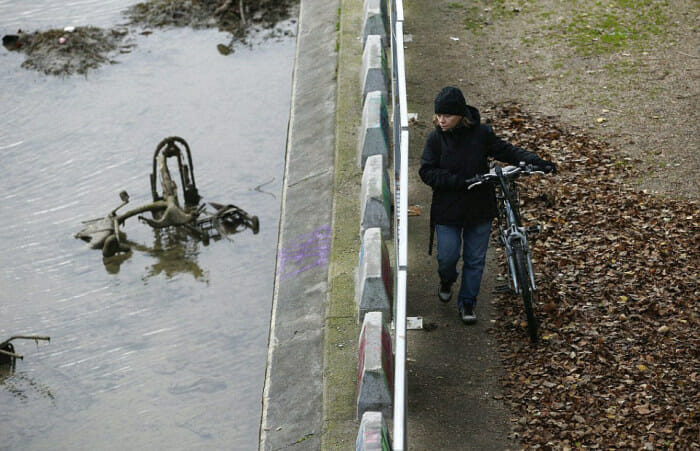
column 509, row 172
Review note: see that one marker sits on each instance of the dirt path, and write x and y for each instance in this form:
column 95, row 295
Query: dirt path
column 629, row 76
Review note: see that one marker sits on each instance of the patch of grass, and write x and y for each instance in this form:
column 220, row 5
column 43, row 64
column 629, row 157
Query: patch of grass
column 654, row 92
column 485, row 12
column 596, row 28
column 473, row 20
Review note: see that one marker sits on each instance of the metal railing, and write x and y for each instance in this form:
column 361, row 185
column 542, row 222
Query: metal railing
column 400, row 157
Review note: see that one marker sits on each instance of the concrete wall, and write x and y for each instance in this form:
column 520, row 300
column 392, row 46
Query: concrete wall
column 299, row 411
column 293, row 391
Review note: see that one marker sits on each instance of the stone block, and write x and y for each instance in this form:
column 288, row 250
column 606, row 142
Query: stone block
column 375, row 197
column 375, row 277
column 373, row 434
column 374, row 132
column 375, row 72
column 375, row 368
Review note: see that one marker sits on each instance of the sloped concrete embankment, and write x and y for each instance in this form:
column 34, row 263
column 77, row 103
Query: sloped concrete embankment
column 330, row 357
column 293, row 390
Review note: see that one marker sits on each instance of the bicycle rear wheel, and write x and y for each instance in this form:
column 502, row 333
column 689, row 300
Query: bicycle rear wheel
column 523, row 279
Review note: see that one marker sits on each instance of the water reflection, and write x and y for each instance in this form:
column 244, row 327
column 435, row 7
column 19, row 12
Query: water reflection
column 22, row 386
column 173, row 252
column 16, row 384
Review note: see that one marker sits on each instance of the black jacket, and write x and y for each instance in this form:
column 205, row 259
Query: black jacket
column 450, row 157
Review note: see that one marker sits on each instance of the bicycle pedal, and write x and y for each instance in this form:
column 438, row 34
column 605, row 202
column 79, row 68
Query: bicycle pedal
column 533, row 229
column 501, row 289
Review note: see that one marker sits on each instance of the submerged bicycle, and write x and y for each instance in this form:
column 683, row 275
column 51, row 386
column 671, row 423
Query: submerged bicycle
column 166, row 209
column 513, row 234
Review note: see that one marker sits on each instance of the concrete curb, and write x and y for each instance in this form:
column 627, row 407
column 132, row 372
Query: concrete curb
column 293, row 390
column 375, row 20
column 375, row 71
column 374, row 291
column 374, row 434
column 375, row 199
column 375, row 277
column 375, row 367
column 374, row 134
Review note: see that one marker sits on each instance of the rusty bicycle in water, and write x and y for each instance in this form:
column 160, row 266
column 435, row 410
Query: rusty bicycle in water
column 166, row 210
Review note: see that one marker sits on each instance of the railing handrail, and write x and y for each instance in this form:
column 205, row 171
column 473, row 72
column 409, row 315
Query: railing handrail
column 400, row 156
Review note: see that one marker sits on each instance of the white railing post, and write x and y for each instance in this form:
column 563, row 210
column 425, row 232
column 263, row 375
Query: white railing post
column 400, row 156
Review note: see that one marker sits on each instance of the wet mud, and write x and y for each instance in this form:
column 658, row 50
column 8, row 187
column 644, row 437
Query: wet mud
column 67, row 51
column 76, row 50
column 233, row 16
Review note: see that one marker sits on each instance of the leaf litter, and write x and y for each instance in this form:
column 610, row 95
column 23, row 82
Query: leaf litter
column 616, row 365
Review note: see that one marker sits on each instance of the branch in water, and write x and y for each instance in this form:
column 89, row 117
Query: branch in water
column 227, row 5
column 24, row 337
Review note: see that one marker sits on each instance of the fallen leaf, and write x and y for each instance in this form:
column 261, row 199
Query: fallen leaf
column 643, row 409
column 615, row 262
column 414, row 210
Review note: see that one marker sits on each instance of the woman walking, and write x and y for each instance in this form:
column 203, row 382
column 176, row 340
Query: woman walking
column 457, row 149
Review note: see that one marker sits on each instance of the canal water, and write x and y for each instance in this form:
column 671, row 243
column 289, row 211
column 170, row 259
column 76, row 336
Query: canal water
column 164, row 349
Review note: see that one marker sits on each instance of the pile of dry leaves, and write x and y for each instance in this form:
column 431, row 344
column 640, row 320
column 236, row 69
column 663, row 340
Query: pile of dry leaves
column 617, row 364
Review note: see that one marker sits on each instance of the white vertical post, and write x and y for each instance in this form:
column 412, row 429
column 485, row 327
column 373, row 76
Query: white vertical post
column 401, row 137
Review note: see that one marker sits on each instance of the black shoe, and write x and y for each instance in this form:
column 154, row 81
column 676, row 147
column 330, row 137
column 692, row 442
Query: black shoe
column 467, row 314
column 445, row 291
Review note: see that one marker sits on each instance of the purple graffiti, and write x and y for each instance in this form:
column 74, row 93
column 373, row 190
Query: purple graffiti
column 307, row 251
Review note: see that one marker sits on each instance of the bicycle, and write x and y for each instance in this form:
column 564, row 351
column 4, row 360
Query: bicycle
column 166, row 211
column 513, row 235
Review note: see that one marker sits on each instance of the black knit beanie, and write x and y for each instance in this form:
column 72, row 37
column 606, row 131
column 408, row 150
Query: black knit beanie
column 450, row 100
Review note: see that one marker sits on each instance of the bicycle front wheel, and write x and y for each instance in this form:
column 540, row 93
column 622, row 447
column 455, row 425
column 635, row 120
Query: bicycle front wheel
column 523, row 279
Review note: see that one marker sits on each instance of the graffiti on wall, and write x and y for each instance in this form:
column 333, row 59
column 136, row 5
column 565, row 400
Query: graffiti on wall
column 307, row 251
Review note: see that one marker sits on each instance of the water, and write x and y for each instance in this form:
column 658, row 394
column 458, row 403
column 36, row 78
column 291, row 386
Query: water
column 165, row 349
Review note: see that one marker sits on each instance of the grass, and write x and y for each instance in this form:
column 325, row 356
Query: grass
column 597, row 28
column 589, row 27
column 484, row 12
column 473, row 21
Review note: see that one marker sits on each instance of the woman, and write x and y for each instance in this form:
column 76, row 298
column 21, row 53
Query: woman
column 458, row 149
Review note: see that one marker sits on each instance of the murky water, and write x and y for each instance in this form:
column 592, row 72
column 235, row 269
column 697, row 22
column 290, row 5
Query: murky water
column 165, row 349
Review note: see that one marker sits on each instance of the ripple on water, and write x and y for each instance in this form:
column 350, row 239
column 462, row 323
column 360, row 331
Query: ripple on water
column 166, row 345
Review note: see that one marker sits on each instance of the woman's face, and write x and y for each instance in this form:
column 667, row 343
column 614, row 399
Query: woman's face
column 448, row 121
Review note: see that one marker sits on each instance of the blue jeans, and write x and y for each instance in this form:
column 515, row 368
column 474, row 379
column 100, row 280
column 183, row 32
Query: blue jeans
column 473, row 242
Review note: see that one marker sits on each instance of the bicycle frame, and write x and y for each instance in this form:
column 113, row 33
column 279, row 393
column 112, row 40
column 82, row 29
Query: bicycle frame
column 511, row 229
column 513, row 235
column 104, row 233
